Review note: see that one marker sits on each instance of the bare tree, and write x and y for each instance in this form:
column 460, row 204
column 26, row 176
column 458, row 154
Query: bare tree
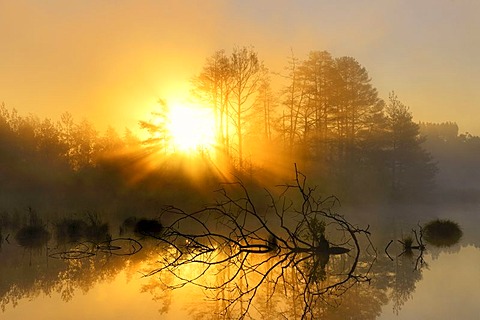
column 246, row 74
column 213, row 86
column 294, row 95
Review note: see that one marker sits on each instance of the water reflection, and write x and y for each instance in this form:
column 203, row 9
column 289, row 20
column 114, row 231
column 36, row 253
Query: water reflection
column 409, row 263
column 304, row 254
column 33, row 235
column 280, row 262
column 282, row 294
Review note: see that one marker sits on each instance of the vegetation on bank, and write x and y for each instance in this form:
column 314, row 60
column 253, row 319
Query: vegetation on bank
column 326, row 116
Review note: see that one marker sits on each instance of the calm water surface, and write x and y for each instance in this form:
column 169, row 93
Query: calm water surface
column 445, row 285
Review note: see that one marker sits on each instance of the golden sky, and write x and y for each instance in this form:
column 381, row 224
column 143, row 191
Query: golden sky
column 109, row 61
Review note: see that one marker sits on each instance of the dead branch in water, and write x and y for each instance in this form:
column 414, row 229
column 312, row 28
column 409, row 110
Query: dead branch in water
column 249, row 246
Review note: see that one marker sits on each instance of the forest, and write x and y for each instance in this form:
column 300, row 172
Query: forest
column 322, row 113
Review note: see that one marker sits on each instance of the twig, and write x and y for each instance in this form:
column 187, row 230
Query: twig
column 386, row 248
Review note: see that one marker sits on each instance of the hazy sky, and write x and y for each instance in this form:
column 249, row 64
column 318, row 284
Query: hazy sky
column 109, row 61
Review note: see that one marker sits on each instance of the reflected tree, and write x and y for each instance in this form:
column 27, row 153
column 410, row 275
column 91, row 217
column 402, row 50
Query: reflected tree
column 407, row 268
column 405, row 281
column 409, row 247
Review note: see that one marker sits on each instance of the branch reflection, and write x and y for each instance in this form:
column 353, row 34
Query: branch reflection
column 288, row 251
column 291, row 257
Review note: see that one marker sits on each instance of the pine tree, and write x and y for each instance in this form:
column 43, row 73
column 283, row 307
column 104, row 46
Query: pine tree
column 412, row 170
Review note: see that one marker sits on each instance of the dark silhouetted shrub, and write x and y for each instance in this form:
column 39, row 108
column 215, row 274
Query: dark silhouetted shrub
column 442, row 233
column 128, row 226
column 33, row 236
column 148, row 227
column 70, row 230
column 96, row 229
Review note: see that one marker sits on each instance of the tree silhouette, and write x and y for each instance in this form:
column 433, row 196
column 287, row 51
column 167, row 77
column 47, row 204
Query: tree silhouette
column 293, row 96
column 320, row 74
column 230, row 85
column 246, row 74
column 157, row 128
column 213, row 87
column 410, row 165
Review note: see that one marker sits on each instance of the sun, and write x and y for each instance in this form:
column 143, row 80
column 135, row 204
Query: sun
column 191, row 128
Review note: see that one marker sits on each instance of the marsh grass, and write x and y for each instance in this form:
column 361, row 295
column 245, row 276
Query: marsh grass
column 407, row 243
column 70, row 230
column 148, row 227
column 90, row 227
column 442, row 233
column 97, row 230
column 32, row 236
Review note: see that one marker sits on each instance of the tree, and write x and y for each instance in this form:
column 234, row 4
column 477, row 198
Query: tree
column 50, row 146
column 157, row 128
column 411, row 167
column 293, row 97
column 130, row 140
column 230, row 85
column 84, row 151
column 445, row 131
column 319, row 74
column 331, row 109
column 457, row 158
column 264, row 108
column 213, row 87
column 246, row 74
column 110, row 142
column 356, row 104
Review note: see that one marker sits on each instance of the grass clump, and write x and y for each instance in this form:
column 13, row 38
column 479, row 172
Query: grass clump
column 70, row 230
column 442, row 233
column 148, row 227
column 32, row 236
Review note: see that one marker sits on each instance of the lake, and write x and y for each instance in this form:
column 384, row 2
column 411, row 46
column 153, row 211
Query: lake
column 386, row 283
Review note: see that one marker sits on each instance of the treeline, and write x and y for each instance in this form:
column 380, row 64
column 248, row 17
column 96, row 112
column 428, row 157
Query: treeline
column 65, row 142
column 322, row 113
column 41, row 159
column 69, row 165
column 458, row 158
column 325, row 115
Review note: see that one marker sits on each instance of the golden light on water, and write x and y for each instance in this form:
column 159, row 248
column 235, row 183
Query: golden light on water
column 191, row 128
